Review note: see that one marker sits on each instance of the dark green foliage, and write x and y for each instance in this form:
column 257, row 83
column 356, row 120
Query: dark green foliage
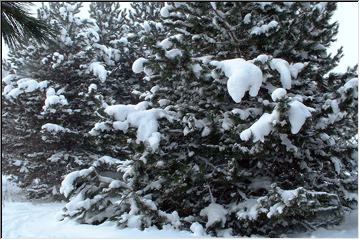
column 203, row 160
column 45, row 155
column 18, row 27
column 289, row 211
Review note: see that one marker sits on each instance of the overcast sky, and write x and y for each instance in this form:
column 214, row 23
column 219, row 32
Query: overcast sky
column 347, row 15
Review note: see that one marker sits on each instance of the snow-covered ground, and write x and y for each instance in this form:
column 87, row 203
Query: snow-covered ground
column 348, row 229
column 23, row 219
column 31, row 220
column 38, row 220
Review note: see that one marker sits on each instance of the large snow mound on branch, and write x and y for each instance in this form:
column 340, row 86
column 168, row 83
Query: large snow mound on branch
column 197, row 229
column 164, row 12
column 121, row 111
column 352, row 83
column 214, row 213
column 278, row 94
column 264, row 28
column 146, row 121
column 243, row 76
column 261, row 128
column 138, row 65
column 54, row 128
column 165, row 44
column 8, row 79
column 24, row 85
column 173, row 53
column 298, row 113
column 98, row 70
column 283, row 67
column 67, row 185
column 52, row 98
column 296, row 68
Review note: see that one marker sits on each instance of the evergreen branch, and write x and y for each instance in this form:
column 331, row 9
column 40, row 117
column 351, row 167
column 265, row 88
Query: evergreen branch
column 18, row 27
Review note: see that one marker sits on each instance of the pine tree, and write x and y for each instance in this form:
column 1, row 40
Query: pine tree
column 121, row 84
column 18, row 26
column 48, row 101
column 112, row 48
column 236, row 129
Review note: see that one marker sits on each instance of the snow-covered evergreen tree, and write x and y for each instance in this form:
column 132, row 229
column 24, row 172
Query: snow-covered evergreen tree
column 250, row 135
column 48, row 102
column 112, row 49
column 226, row 124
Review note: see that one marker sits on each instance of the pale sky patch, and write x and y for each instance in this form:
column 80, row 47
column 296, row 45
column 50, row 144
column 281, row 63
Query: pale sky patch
column 347, row 15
